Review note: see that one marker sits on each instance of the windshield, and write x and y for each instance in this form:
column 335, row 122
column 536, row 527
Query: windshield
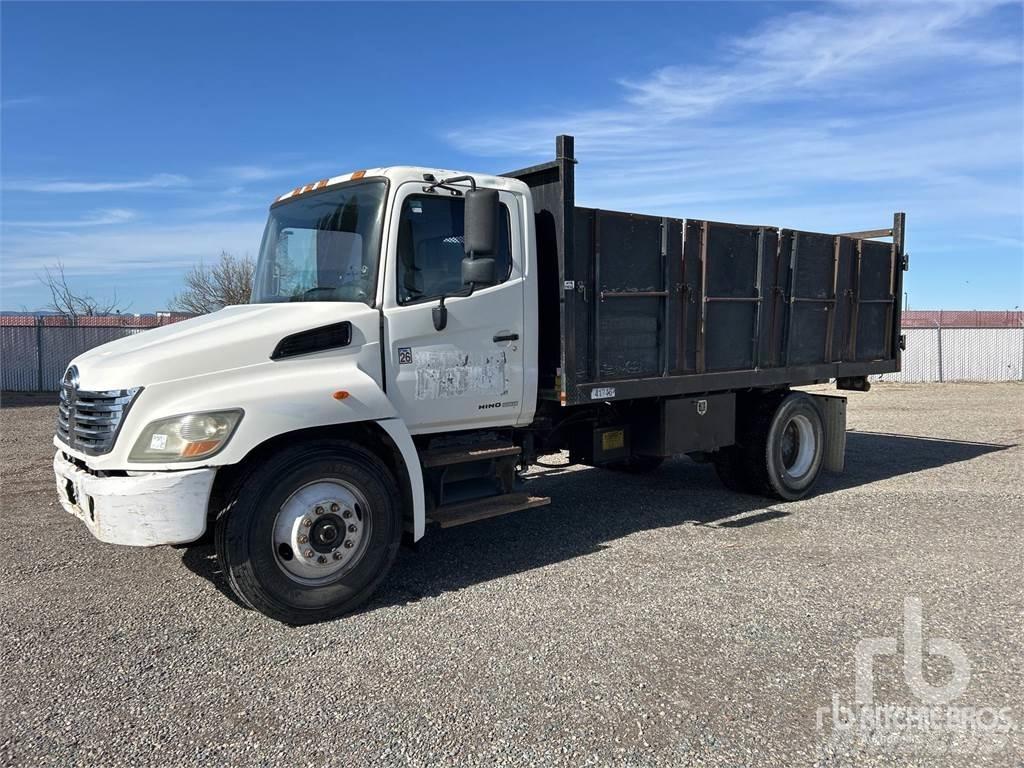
column 322, row 247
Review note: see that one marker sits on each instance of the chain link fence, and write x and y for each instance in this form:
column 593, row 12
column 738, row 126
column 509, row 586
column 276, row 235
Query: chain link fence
column 961, row 345
column 35, row 351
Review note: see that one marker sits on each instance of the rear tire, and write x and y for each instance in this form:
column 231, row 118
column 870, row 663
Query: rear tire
column 311, row 532
column 730, row 467
column 779, row 449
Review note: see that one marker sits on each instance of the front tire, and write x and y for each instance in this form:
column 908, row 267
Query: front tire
column 311, row 532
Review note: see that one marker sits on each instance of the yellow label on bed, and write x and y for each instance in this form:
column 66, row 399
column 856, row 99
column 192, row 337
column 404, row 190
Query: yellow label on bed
column 611, row 441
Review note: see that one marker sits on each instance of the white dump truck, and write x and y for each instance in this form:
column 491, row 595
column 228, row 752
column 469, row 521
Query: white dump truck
column 418, row 337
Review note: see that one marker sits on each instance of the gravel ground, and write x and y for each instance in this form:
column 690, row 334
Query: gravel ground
column 636, row 621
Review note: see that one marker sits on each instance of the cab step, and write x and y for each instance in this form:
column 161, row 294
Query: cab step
column 480, row 509
column 443, row 457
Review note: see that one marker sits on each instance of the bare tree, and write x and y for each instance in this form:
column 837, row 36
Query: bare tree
column 70, row 303
column 207, row 289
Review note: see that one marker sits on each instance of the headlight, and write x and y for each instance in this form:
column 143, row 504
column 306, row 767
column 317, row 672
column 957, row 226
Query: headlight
column 185, row 438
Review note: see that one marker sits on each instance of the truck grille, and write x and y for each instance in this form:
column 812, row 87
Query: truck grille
column 89, row 421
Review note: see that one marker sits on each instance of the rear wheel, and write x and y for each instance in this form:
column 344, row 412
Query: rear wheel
column 311, row 532
column 779, row 449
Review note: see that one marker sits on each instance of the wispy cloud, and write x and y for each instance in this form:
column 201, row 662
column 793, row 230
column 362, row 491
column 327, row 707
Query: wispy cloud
column 849, row 106
column 250, row 172
column 250, row 204
column 65, row 186
column 257, row 172
column 131, row 237
column 131, row 256
column 810, row 54
column 102, row 217
column 820, row 58
column 134, row 248
column 19, row 102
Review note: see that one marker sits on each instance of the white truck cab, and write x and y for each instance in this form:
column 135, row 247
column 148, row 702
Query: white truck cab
column 341, row 330
column 416, row 337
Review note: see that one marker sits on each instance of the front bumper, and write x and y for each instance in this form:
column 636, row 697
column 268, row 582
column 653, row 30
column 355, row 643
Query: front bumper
column 143, row 510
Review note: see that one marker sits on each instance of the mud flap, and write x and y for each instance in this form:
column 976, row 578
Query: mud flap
column 833, row 416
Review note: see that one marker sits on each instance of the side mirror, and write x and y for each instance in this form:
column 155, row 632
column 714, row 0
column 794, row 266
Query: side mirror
column 481, row 222
column 478, row 272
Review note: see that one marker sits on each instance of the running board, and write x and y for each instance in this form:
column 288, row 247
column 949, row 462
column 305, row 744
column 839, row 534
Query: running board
column 480, row 509
column 443, row 457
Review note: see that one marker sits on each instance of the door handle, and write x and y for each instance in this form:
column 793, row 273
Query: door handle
column 506, row 337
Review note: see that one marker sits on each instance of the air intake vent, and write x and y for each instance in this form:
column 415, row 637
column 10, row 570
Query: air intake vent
column 314, row 340
column 89, row 421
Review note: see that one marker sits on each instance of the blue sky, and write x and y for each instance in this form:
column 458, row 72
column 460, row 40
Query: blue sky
column 140, row 138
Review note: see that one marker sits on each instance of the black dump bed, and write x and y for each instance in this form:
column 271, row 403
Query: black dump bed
column 635, row 306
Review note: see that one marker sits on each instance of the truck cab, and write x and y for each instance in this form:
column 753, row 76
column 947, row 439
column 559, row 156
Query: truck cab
column 345, row 327
column 417, row 337
column 393, row 240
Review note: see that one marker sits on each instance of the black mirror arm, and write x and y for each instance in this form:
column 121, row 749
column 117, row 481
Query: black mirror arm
column 443, row 183
column 440, row 312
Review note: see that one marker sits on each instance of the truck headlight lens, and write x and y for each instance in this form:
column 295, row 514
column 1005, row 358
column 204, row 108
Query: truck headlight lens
column 185, row 438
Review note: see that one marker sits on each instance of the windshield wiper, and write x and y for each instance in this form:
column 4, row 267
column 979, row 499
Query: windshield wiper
column 305, row 295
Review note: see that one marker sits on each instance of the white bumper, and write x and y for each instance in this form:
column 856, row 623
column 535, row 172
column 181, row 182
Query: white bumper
column 142, row 510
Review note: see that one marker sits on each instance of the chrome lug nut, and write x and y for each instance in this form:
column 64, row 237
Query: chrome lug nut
column 319, row 510
column 348, row 545
column 321, row 559
column 347, row 514
column 303, row 539
column 334, row 506
column 306, row 523
column 308, row 553
column 351, row 529
column 336, row 555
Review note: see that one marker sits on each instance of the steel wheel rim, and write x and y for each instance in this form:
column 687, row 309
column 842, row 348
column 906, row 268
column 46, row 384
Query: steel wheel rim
column 321, row 531
column 798, row 446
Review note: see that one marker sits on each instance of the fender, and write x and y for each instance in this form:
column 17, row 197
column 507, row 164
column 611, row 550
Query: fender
column 399, row 433
column 276, row 398
column 290, row 396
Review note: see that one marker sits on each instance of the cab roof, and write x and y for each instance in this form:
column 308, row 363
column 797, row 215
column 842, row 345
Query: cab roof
column 405, row 173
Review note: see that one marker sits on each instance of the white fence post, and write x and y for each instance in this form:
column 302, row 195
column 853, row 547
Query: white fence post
column 39, row 354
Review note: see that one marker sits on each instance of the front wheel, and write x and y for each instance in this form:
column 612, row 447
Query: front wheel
column 311, row 532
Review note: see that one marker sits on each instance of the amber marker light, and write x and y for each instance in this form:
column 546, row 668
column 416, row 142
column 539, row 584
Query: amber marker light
column 199, row 447
column 341, row 394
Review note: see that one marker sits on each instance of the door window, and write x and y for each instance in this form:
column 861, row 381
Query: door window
column 430, row 250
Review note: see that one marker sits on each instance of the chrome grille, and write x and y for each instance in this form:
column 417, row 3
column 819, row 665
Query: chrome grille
column 89, row 421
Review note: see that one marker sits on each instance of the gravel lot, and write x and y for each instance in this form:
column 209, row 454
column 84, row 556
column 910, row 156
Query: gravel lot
column 636, row 621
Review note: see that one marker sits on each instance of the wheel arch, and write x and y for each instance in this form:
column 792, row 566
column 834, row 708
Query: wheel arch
column 388, row 439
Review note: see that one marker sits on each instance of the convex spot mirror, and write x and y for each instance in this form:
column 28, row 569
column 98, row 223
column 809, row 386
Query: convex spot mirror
column 478, row 272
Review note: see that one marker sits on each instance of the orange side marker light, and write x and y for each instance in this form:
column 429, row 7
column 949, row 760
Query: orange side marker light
column 199, row 447
column 341, row 394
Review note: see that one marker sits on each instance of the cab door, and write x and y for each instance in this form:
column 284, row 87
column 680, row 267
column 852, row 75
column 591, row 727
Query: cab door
column 470, row 373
